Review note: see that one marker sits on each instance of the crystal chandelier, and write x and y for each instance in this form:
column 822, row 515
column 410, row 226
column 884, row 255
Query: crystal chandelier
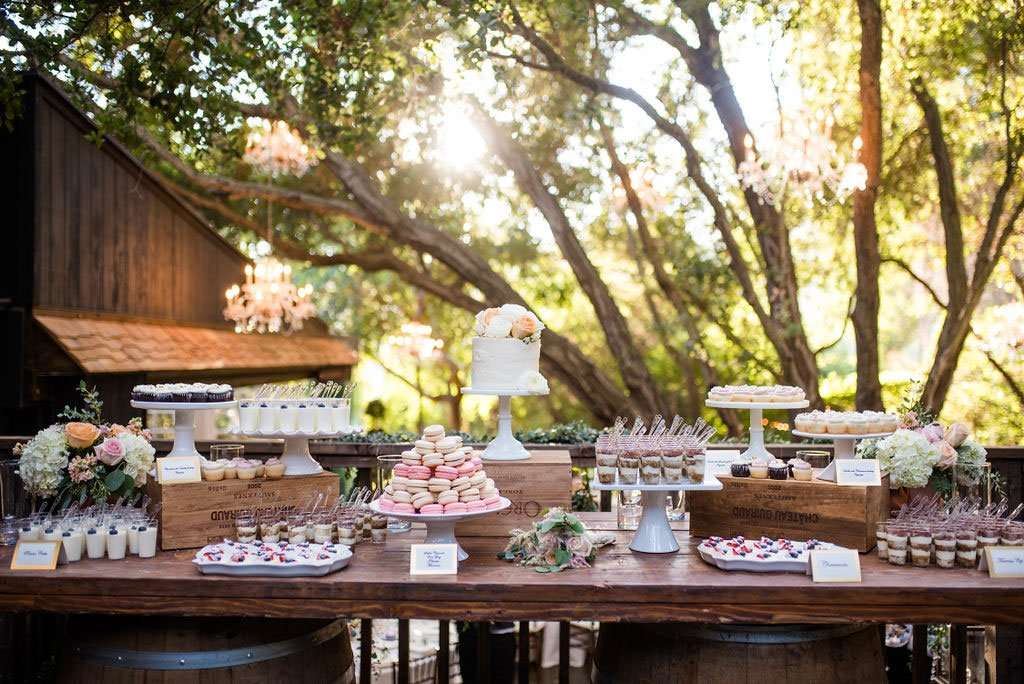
column 268, row 301
column 803, row 158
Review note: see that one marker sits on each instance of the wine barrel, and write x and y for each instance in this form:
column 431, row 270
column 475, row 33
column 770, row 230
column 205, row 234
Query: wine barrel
column 179, row 650
column 733, row 654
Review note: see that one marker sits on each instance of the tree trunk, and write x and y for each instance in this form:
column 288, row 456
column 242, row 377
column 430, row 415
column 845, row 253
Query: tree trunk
column 644, row 393
column 865, row 231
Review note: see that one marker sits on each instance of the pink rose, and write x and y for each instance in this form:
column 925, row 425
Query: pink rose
column 956, row 434
column 947, row 456
column 933, row 433
column 110, row 452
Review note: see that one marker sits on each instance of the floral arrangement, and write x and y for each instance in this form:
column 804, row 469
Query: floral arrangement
column 83, row 457
column 559, row 541
column 923, row 452
column 510, row 320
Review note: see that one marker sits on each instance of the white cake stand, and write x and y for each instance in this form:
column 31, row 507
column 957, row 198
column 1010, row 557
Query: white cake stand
column 441, row 526
column 756, row 408
column 504, row 447
column 296, row 457
column 843, row 446
column 654, row 534
column 184, row 421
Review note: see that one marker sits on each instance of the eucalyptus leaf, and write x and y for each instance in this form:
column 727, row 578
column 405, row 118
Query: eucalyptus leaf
column 114, row 480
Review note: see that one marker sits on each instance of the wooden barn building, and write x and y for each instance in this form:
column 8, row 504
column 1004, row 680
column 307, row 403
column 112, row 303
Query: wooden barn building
column 110, row 277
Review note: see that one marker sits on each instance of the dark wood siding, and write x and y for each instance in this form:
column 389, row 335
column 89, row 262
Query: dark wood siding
column 110, row 238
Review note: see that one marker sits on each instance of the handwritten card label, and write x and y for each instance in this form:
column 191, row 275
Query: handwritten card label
column 175, row 469
column 719, row 461
column 36, row 555
column 1003, row 561
column 835, row 565
column 433, row 559
column 858, row 472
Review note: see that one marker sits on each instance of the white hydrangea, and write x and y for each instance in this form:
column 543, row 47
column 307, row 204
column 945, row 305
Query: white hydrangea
column 43, row 461
column 138, row 456
column 533, row 382
column 499, row 327
column 907, row 457
column 513, row 311
column 970, row 461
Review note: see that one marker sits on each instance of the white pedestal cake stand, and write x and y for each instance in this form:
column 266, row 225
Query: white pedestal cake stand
column 296, row 457
column 504, row 447
column 184, row 421
column 654, row 534
column 756, row 408
column 441, row 526
column 843, row 446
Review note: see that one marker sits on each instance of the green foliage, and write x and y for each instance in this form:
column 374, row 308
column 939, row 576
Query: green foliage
column 90, row 412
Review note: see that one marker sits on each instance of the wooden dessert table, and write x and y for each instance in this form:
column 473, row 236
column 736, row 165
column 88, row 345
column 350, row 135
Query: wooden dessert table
column 622, row 587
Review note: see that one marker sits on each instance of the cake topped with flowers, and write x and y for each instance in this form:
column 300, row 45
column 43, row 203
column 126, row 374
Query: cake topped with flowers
column 506, row 350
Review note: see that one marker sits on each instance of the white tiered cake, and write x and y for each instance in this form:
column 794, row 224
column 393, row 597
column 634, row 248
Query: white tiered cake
column 506, row 351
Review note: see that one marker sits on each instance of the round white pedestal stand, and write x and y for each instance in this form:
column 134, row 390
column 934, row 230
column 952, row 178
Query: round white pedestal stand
column 504, row 447
column 441, row 527
column 184, row 421
column 654, row 534
column 296, row 457
column 843, row 446
column 756, row 408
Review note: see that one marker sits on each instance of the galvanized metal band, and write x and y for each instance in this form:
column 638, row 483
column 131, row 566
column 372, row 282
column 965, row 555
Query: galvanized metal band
column 210, row 660
column 768, row 634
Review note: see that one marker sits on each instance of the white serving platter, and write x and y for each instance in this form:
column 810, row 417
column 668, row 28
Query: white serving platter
column 799, row 565
column 297, row 569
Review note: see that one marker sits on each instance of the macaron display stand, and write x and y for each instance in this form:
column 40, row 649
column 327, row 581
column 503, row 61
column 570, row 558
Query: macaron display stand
column 654, row 534
column 842, row 447
column 441, row 527
column 504, row 447
column 757, row 409
column 184, row 421
column 296, row 456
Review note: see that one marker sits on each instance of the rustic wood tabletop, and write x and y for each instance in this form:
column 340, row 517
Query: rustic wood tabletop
column 622, row 586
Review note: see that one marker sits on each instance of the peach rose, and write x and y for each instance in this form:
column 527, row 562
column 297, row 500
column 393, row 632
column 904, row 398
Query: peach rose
column 81, row 435
column 524, row 326
column 116, row 429
column 947, row 456
column 956, row 434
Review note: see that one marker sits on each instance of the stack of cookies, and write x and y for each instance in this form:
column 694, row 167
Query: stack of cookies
column 439, row 475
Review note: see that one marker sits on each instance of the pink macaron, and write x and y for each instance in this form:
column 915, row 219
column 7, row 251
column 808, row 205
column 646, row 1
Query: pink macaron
column 492, row 502
column 418, row 473
column 401, row 469
column 447, row 472
column 476, row 460
column 403, row 508
column 475, row 506
column 432, row 509
column 386, row 504
column 467, row 468
column 456, row 507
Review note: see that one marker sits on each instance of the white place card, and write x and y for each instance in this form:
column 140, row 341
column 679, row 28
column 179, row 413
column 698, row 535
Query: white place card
column 835, row 565
column 434, row 559
column 858, row 472
column 1003, row 561
column 718, row 461
column 36, row 555
column 176, row 469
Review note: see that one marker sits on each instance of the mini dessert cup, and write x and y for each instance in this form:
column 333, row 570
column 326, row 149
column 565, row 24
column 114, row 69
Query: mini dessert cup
column 378, row 529
column 245, row 527
column 606, row 474
column 898, row 556
column 945, row 548
column 1012, row 534
column 671, row 458
column 966, row 548
column 897, row 538
column 920, row 538
column 695, row 468
column 608, row 459
column 920, row 558
column 347, row 532
column 882, row 540
column 759, row 469
column 323, row 529
column 269, row 530
column 297, row 528
column 989, row 534
column 650, row 468
column 672, row 475
column 628, row 474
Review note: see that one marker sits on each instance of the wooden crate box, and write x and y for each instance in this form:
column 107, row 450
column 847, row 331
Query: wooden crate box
column 793, row 509
column 197, row 513
column 533, row 486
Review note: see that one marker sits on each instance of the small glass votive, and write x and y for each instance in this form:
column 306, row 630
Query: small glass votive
column 226, row 452
column 816, row 457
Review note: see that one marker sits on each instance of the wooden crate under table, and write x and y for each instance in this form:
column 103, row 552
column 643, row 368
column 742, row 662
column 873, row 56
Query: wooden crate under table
column 198, row 513
column 532, row 485
column 791, row 508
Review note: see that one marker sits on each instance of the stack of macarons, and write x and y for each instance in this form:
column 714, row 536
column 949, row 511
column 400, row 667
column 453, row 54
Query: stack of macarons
column 439, row 475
